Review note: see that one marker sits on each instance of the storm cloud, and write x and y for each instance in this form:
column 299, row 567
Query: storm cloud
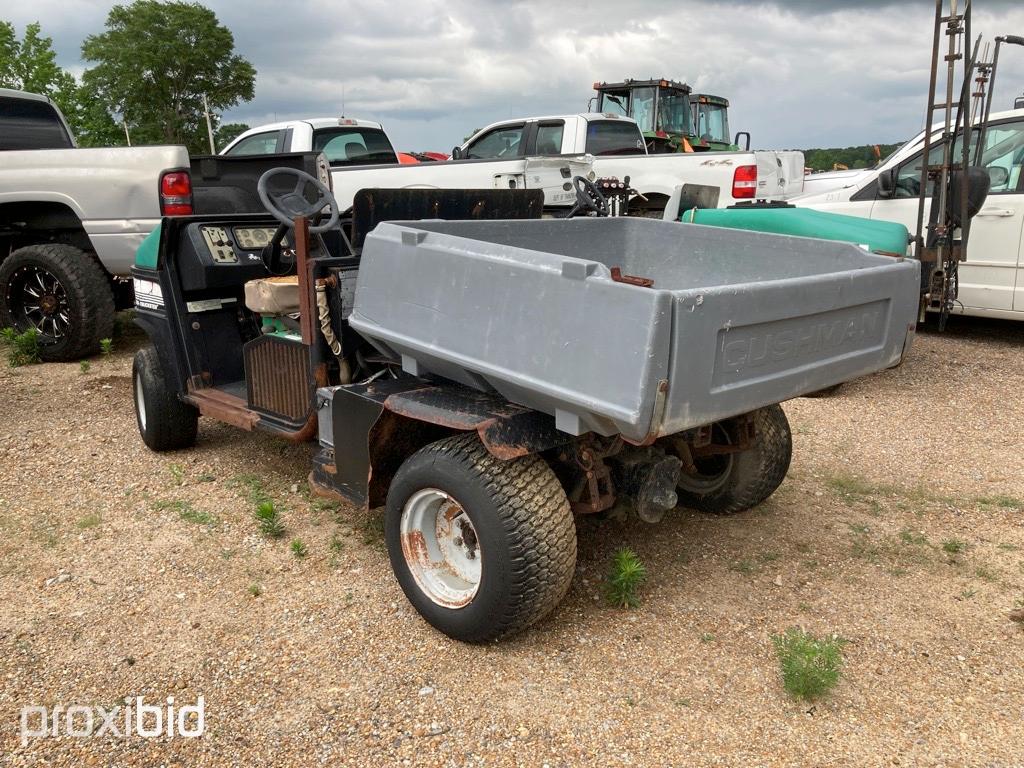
column 799, row 74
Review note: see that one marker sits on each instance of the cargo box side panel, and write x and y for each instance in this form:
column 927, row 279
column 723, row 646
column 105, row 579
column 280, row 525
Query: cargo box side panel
column 550, row 332
column 741, row 348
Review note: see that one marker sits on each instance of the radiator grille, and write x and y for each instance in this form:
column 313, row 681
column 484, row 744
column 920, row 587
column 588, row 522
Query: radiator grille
column 277, row 376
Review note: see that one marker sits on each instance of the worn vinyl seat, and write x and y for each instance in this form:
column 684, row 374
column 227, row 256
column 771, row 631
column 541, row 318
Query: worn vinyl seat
column 273, row 295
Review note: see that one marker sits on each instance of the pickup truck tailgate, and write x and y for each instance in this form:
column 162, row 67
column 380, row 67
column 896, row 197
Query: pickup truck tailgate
column 538, row 311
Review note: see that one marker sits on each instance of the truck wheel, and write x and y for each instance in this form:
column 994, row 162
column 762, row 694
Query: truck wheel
column 733, row 482
column 165, row 422
column 481, row 547
column 63, row 293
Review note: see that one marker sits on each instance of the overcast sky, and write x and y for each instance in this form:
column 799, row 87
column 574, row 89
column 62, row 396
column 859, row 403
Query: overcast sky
column 799, row 73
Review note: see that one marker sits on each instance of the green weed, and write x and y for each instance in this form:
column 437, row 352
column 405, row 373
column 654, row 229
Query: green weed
column 627, row 574
column 23, row 348
column 106, row 346
column 953, row 546
column 269, row 520
column 810, row 666
column 299, row 549
column 90, row 520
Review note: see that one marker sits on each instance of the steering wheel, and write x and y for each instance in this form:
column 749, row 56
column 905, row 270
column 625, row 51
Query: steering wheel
column 287, row 206
column 589, row 197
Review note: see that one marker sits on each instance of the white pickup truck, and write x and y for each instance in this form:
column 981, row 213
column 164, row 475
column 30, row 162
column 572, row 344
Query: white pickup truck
column 70, row 221
column 991, row 281
column 532, row 153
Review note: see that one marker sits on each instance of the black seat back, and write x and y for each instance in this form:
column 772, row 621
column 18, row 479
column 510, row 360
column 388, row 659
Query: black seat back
column 372, row 206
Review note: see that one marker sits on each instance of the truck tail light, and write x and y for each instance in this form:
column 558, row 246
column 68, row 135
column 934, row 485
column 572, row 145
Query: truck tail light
column 744, row 181
column 176, row 193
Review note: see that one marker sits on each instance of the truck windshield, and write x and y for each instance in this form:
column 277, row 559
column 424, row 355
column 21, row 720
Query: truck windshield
column 713, row 122
column 31, row 124
column 674, row 114
column 354, row 146
column 614, row 137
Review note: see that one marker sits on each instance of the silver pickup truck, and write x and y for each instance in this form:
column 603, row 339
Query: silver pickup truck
column 70, row 222
column 71, row 219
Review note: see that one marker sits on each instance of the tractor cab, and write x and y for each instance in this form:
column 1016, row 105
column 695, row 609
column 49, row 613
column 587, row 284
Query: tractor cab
column 660, row 107
column 711, row 121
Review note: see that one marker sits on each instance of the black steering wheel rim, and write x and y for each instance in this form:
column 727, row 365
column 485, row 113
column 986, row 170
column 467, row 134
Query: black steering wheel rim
column 589, row 197
column 287, row 206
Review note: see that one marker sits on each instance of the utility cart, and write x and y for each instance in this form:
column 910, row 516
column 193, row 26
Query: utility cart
column 487, row 380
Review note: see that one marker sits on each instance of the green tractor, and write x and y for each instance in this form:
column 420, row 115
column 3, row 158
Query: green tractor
column 671, row 117
column 711, row 120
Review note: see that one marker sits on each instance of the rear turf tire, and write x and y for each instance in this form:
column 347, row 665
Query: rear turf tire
column 523, row 529
column 748, row 478
column 74, row 291
column 164, row 421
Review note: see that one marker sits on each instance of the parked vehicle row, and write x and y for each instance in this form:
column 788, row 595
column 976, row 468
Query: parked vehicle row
column 531, row 153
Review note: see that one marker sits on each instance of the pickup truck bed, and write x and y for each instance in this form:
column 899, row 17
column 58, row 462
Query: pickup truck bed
column 733, row 321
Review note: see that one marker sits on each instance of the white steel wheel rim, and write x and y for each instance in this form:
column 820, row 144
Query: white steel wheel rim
column 140, row 401
column 441, row 548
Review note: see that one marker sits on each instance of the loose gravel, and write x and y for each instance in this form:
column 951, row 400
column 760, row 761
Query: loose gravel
column 124, row 573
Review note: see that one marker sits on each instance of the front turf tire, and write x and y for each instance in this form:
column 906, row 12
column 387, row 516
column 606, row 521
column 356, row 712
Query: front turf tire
column 164, row 421
column 523, row 527
column 750, row 477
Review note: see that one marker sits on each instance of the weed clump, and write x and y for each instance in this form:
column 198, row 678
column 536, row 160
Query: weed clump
column 269, row 520
column 627, row 574
column 810, row 666
column 23, row 348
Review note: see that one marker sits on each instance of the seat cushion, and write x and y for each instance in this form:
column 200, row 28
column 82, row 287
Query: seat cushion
column 273, row 295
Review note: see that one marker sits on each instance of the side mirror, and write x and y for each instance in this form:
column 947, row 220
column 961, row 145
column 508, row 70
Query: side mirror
column 456, row 153
column 998, row 177
column 886, row 183
column 746, row 142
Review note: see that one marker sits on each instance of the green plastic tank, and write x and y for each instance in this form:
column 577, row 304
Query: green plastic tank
column 876, row 236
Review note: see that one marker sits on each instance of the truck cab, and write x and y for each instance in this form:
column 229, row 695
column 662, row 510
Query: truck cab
column 590, row 133
column 346, row 141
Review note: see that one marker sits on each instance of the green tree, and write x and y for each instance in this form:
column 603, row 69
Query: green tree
column 31, row 65
column 157, row 60
column 227, row 133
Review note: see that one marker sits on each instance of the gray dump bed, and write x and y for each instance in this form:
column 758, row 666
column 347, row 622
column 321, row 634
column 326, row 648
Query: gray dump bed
column 734, row 320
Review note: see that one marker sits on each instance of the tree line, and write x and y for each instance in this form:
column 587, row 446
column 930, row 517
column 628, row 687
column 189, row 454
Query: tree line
column 852, row 157
column 147, row 77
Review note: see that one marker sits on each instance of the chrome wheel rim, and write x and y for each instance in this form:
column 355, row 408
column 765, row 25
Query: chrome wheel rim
column 37, row 299
column 441, row 548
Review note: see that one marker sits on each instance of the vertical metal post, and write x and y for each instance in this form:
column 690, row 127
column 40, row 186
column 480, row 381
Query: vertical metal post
column 929, row 112
column 209, row 125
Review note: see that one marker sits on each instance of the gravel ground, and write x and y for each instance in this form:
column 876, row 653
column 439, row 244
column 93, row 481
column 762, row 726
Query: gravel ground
column 126, row 573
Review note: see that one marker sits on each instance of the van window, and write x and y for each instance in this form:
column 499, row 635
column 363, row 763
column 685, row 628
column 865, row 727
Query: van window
column 257, row 144
column 31, row 124
column 1003, row 157
column 354, row 146
column 614, row 137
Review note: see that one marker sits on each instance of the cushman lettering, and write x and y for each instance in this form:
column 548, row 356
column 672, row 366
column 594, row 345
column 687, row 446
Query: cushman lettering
column 775, row 346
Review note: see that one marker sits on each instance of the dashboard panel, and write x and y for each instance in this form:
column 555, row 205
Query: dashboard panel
column 213, row 255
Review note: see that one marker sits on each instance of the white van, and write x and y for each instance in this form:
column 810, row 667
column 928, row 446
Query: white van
column 992, row 278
